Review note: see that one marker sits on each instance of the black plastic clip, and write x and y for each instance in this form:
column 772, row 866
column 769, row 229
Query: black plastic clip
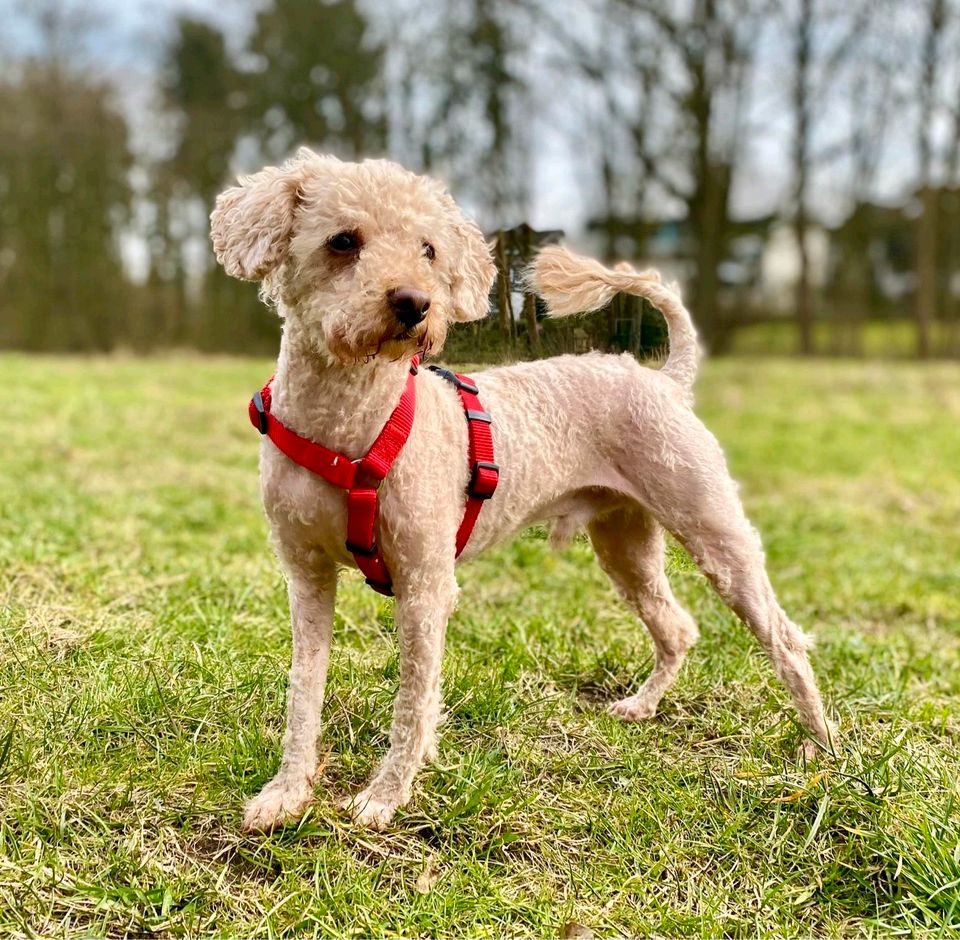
column 263, row 419
column 355, row 549
column 455, row 380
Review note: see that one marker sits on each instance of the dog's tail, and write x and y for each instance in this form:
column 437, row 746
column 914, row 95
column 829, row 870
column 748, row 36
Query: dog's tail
column 573, row 284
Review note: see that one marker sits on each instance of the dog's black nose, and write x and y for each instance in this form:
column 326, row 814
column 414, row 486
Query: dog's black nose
column 409, row 304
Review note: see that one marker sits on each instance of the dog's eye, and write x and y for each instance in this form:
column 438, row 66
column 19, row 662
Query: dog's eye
column 344, row 243
column 429, row 251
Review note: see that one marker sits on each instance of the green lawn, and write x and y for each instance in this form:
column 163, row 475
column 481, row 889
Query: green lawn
column 144, row 645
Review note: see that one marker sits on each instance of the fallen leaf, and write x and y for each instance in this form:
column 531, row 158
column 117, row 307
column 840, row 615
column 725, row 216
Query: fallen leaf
column 798, row 794
column 429, row 876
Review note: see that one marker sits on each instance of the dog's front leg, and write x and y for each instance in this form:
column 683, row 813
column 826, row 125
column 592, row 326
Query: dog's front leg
column 421, row 618
column 311, row 611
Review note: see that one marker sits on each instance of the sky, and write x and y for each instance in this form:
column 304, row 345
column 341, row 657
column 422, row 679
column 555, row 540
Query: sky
column 127, row 44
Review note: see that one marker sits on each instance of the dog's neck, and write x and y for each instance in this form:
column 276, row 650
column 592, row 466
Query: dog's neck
column 343, row 407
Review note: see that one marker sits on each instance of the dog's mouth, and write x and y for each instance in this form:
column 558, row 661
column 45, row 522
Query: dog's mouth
column 420, row 339
column 418, row 334
column 423, row 339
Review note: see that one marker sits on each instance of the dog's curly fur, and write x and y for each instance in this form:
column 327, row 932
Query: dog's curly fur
column 591, row 441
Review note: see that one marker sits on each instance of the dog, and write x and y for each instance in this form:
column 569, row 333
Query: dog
column 368, row 265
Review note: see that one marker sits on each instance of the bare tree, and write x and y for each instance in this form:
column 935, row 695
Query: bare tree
column 700, row 68
column 817, row 63
column 870, row 91
column 802, row 53
column 952, row 240
column 462, row 80
column 926, row 250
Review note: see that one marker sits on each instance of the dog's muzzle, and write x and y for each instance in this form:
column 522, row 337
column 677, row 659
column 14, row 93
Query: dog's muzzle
column 409, row 305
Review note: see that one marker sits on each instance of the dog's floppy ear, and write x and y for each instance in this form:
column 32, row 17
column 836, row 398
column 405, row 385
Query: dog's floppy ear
column 473, row 272
column 251, row 224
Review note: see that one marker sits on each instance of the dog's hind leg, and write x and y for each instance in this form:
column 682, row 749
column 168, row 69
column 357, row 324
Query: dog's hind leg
column 286, row 797
column 630, row 547
column 733, row 559
column 697, row 501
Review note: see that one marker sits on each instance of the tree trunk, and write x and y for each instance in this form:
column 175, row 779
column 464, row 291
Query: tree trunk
column 504, row 301
column 801, row 161
column 529, row 302
column 530, row 318
column 710, row 224
column 926, row 301
column 804, row 311
column 708, row 203
column 925, row 307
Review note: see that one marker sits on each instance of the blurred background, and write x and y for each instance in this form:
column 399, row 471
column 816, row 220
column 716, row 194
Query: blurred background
column 795, row 164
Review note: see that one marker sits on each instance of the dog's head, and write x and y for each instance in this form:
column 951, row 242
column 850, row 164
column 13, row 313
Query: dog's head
column 369, row 258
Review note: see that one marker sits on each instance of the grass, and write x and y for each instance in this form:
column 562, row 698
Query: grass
column 892, row 338
column 144, row 644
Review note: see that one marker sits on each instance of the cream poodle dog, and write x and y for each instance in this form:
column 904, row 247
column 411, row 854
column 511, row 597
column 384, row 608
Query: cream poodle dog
column 368, row 265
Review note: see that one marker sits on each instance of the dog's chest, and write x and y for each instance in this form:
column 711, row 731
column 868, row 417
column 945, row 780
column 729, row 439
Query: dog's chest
column 301, row 507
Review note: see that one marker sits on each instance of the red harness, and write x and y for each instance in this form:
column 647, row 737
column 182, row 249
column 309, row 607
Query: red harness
column 361, row 478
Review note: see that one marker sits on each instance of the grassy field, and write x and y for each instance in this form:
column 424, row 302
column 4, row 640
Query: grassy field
column 144, row 644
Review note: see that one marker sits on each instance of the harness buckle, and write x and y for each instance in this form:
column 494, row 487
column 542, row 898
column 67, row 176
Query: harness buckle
column 455, row 380
column 263, row 419
column 483, row 485
column 362, row 550
column 364, row 477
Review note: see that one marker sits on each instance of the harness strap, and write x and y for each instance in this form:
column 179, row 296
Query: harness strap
column 484, row 473
column 361, row 478
column 326, row 463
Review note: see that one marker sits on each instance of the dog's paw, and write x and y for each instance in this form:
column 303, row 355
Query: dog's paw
column 371, row 808
column 811, row 750
column 808, row 751
column 279, row 802
column 635, row 708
